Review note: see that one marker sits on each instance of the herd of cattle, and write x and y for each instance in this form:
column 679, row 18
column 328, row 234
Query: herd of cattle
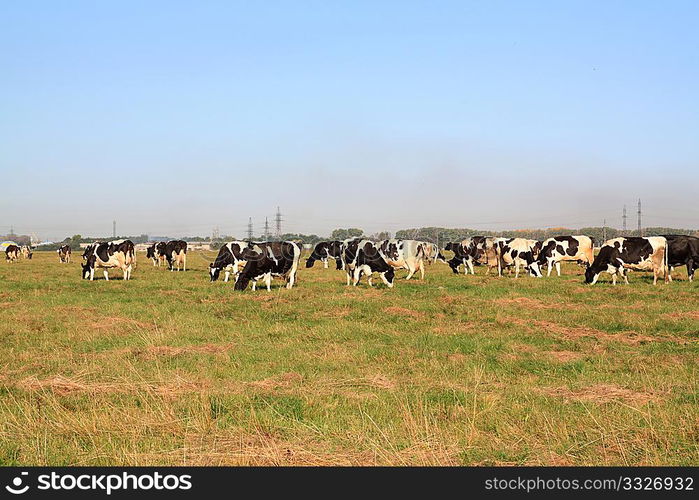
column 255, row 261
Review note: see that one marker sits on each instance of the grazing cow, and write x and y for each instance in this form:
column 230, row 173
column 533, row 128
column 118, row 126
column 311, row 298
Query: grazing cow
column 519, row 252
column 229, row 258
column 464, row 254
column 682, row 251
column 618, row 255
column 477, row 250
column 566, row 248
column 323, row 251
column 409, row 254
column 64, row 254
column 264, row 260
column 26, row 252
column 176, row 254
column 365, row 256
column 11, row 253
column 118, row 253
column 431, row 251
column 156, row 252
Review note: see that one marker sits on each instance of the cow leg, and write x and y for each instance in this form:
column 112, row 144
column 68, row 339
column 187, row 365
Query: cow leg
column 325, row 263
column 422, row 271
column 411, row 271
column 517, row 269
column 469, row 263
column 625, row 274
column 92, row 274
column 690, row 270
column 254, row 285
column 106, row 275
column 268, row 282
column 184, row 263
column 357, row 275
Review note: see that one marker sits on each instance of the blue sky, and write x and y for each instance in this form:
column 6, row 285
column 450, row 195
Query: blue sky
column 175, row 117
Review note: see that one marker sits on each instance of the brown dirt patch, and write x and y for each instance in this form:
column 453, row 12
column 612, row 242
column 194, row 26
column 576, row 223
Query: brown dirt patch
column 402, row 311
column 152, row 352
column 283, row 380
column 574, row 333
column 333, row 313
column 682, row 315
column 600, row 393
column 528, row 303
column 63, row 386
column 564, row 356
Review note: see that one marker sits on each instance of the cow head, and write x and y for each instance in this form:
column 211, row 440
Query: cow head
column 214, row 271
column 319, row 252
column 150, row 252
column 388, row 277
column 590, row 276
column 87, row 267
column 535, row 270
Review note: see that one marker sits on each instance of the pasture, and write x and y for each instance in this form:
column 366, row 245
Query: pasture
column 169, row 369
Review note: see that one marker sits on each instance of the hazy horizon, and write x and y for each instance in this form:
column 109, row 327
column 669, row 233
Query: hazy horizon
column 175, row 118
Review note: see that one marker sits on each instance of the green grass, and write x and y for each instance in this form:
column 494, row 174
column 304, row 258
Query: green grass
column 171, row 369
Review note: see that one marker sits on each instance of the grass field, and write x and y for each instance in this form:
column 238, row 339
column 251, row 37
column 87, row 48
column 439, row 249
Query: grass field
column 171, row 369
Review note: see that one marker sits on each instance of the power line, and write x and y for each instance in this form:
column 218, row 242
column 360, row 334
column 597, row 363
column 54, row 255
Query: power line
column 266, row 229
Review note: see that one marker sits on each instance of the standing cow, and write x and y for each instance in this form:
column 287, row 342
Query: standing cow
column 11, row 253
column 519, row 252
column 229, row 258
column 119, row 254
column 365, row 257
column 618, row 255
column 566, row 248
column 405, row 254
column 264, row 260
column 156, row 252
column 176, row 254
column 324, row 250
column 64, row 254
column 682, row 251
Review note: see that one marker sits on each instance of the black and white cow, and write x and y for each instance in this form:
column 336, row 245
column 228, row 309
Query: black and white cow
column 555, row 250
column 118, row 253
column 11, row 253
column 682, row 251
column 156, row 252
column 64, row 254
column 409, row 254
column 26, row 252
column 366, row 257
column 432, row 253
column 264, row 260
column 519, row 252
column 176, row 254
column 618, row 255
column 325, row 250
column 229, row 258
column 464, row 254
